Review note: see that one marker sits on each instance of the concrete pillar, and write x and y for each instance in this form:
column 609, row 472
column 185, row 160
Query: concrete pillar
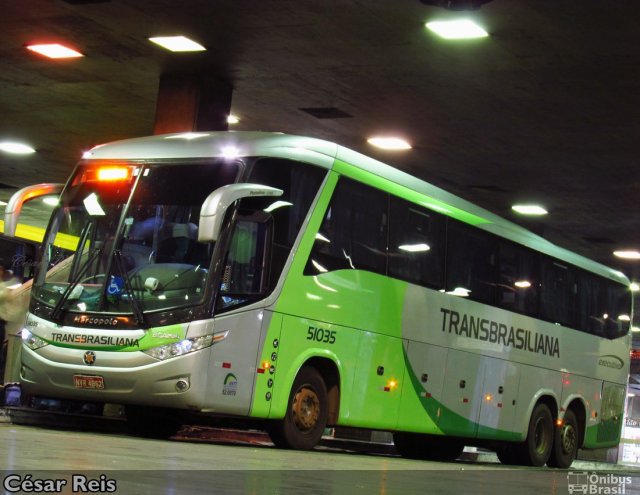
column 188, row 102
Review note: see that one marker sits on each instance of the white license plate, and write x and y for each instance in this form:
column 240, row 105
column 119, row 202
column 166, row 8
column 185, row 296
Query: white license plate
column 88, row 381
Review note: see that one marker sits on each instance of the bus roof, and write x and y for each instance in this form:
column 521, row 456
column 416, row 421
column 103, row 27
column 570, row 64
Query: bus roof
column 322, row 153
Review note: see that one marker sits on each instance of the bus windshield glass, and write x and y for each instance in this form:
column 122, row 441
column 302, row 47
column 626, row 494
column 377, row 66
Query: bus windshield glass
column 136, row 231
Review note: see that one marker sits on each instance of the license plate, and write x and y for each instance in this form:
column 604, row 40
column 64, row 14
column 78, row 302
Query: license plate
column 88, row 381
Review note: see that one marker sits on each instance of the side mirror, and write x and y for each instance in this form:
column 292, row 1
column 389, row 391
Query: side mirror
column 19, row 198
column 216, row 205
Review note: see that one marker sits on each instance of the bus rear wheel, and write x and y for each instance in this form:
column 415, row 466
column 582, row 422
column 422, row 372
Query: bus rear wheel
column 536, row 449
column 565, row 442
column 307, row 412
column 427, row 447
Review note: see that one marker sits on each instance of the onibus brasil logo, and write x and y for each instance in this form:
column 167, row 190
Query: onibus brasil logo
column 595, row 483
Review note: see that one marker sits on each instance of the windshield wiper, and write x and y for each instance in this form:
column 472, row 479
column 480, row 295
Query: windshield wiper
column 56, row 313
column 135, row 304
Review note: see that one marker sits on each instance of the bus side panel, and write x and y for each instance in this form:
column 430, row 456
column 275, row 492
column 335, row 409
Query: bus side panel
column 461, row 394
column 232, row 367
column 264, row 376
column 379, row 374
column 302, row 339
column 607, row 432
column 422, row 388
column 499, row 396
column 534, row 384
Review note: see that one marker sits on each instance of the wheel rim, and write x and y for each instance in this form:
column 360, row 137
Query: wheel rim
column 568, row 439
column 541, row 437
column 305, row 409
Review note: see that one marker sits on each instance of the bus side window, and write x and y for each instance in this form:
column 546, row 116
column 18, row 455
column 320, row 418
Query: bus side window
column 558, row 300
column 471, row 262
column 353, row 234
column 518, row 279
column 416, row 244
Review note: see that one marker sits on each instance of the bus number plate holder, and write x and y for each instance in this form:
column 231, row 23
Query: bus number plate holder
column 88, row 381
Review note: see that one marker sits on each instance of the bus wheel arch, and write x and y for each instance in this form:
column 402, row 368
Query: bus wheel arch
column 311, row 406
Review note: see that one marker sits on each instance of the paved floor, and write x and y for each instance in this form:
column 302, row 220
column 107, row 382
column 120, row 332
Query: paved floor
column 136, row 465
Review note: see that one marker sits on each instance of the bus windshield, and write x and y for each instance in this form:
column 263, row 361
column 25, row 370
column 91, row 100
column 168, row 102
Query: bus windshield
column 136, row 229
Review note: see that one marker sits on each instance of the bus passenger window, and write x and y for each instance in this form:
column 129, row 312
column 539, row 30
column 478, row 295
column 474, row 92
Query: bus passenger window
column 558, row 299
column 471, row 263
column 353, row 234
column 416, row 244
column 518, row 279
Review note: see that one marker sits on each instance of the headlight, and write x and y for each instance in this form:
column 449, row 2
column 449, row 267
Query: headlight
column 32, row 341
column 184, row 346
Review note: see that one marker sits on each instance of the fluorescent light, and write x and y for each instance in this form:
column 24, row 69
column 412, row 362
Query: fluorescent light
column 16, row 148
column 55, row 50
column 389, row 143
column 624, row 318
column 634, row 287
column 457, row 30
column 233, row 119
column 415, row 248
column 523, row 284
column 627, row 255
column 529, row 209
column 51, row 201
column 4, row 203
column 178, row 44
column 635, row 329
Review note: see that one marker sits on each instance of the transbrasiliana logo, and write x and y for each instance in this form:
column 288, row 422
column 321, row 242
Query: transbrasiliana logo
column 596, row 483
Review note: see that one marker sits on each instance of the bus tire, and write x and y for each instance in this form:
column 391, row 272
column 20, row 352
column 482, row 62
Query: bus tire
column 565, row 442
column 536, row 449
column 307, row 412
column 150, row 422
column 427, row 447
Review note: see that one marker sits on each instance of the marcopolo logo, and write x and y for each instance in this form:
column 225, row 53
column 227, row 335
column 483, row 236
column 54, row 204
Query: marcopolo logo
column 230, row 386
column 598, row 483
column 611, row 361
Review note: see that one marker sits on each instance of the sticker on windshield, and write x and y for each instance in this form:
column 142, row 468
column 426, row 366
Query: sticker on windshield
column 116, row 284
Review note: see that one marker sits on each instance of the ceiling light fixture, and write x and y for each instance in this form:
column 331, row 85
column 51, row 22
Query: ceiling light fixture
column 233, row 119
column 389, row 143
column 55, row 50
column 627, row 255
column 535, row 210
column 16, row 148
column 177, row 44
column 457, row 30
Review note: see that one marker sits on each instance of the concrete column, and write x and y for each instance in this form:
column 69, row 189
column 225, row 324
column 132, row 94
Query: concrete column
column 188, row 102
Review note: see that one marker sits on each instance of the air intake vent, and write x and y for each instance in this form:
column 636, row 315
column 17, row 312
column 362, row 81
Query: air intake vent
column 327, row 113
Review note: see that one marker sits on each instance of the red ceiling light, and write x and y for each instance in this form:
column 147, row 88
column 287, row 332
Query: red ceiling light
column 55, row 50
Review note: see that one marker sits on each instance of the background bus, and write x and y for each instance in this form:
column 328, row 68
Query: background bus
column 293, row 281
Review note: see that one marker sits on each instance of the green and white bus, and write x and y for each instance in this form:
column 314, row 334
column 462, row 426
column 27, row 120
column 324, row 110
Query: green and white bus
column 293, row 281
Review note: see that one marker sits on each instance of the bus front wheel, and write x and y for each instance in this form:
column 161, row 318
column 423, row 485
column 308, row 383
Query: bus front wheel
column 307, row 412
column 565, row 442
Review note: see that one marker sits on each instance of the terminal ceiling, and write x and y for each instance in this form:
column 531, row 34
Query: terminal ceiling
column 546, row 109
